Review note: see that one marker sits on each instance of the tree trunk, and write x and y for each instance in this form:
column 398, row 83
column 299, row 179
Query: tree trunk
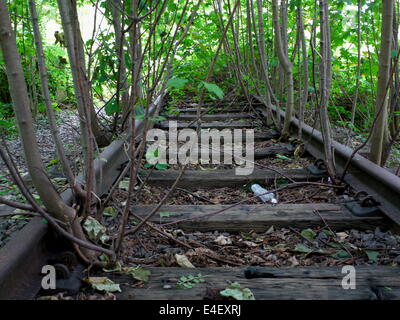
column 304, row 98
column 264, row 65
column 123, row 88
column 325, row 86
column 354, row 107
column 46, row 96
column 380, row 129
column 19, row 94
column 82, row 87
column 287, row 66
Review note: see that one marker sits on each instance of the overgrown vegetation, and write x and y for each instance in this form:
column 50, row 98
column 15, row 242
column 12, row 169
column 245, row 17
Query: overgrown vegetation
column 112, row 61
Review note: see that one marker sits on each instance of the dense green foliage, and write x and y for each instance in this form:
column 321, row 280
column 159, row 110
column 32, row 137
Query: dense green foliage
column 197, row 50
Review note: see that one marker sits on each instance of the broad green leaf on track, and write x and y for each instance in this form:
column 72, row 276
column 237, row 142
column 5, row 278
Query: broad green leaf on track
column 236, row 292
column 328, row 232
column 246, row 236
column 138, row 273
column 162, row 166
column 95, row 230
column 214, row 89
column 124, row 184
column 341, row 255
column 152, row 155
column 308, row 234
column 165, row 214
column 159, row 118
column 110, row 212
column 372, row 255
column 302, row 248
column 103, row 284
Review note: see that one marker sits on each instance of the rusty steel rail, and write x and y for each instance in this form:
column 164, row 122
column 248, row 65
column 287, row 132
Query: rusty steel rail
column 362, row 174
column 23, row 257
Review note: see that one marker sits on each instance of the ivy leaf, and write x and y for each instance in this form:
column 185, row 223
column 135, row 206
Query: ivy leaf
column 95, row 230
column 103, row 284
column 214, row 89
column 236, row 292
column 138, row 273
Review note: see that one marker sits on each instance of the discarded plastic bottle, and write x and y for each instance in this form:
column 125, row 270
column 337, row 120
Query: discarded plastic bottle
column 263, row 195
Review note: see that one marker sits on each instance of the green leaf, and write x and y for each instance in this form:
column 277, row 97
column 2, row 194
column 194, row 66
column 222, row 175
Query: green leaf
column 280, row 156
column 328, row 232
column 110, row 212
column 372, row 255
column 308, row 234
column 103, row 284
column 165, row 214
column 246, row 236
column 111, row 107
column 19, row 217
column 214, row 89
column 124, row 184
column 162, row 166
column 138, row 273
column 236, row 292
column 188, row 282
column 53, row 162
column 302, row 248
column 341, row 255
column 177, row 83
column 160, row 118
column 95, row 230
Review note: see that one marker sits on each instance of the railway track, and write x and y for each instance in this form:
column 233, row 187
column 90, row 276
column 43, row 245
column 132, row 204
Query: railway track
column 206, row 216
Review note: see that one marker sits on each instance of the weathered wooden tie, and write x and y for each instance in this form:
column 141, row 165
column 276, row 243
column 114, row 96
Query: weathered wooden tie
column 285, row 283
column 260, row 217
column 224, row 178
